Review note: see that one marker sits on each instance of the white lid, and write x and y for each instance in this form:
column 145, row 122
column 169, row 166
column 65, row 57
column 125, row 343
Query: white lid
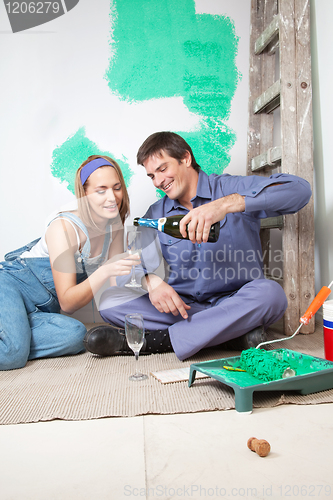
column 328, row 305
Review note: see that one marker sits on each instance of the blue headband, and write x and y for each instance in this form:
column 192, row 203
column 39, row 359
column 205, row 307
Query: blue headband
column 90, row 167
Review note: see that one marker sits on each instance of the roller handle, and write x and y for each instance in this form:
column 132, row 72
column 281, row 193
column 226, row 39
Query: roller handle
column 315, row 305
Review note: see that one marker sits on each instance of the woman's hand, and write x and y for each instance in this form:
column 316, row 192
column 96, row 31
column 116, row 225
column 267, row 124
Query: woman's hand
column 121, row 265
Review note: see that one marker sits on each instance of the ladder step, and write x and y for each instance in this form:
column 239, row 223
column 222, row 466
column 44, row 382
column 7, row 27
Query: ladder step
column 272, row 158
column 272, row 222
column 267, row 36
column 268, row 100
column 273, row 47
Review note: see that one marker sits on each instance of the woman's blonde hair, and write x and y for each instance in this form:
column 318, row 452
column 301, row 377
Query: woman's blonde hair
column 80, row 192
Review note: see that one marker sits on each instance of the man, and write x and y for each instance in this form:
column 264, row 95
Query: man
column 215, row 292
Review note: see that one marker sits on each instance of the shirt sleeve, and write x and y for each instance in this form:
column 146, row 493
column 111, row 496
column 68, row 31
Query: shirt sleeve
column 278, row 194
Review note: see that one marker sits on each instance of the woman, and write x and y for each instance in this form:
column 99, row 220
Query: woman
column 79, row 253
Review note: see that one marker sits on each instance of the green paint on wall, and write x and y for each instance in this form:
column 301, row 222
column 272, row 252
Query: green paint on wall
column 165, row 49
column 67, row 158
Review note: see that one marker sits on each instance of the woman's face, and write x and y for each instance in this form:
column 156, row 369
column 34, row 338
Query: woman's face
column 104, row 194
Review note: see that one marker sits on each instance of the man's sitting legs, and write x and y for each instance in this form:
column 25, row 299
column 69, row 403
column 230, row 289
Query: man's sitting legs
column 258, row 303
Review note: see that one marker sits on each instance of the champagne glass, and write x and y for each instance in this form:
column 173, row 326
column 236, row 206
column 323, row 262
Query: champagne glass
column 135, row 334
column 133, row 246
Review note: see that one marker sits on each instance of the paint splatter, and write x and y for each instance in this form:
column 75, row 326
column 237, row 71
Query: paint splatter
column 170, row 50
column 67, row 158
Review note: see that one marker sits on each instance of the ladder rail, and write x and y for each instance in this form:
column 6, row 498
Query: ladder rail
column 286, row 24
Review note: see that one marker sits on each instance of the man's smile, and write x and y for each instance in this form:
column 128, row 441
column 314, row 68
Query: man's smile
column 167, row 186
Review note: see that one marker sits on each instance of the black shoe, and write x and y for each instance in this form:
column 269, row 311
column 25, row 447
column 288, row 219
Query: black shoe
column 110, row 340
column 250, row 339
column 106, row 340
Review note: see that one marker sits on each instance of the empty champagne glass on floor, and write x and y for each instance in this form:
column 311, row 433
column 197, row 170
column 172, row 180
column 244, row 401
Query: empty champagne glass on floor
column 135, row 335
column 133, row 246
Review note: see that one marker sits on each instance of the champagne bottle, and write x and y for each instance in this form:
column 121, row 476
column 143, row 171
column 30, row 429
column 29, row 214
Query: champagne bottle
column 170, row 226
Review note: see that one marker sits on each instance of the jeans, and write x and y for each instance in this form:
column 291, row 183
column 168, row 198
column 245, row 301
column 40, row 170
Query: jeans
column 31, row 325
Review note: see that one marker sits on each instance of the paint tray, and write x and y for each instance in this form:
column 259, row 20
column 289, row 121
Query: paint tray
column 312, row 375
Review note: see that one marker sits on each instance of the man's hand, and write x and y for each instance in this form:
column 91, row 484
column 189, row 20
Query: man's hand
column 165, row 298
column 200, row 219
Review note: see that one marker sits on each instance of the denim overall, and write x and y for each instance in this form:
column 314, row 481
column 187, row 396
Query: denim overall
column 30, row 324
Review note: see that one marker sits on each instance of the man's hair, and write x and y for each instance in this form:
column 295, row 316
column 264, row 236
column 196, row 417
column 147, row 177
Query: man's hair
column 168, row 142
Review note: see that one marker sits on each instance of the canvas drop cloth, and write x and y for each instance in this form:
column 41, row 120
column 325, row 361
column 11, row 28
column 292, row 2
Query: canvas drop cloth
column 87, row 387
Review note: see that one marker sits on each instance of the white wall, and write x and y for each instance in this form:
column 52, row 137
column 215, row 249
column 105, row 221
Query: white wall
column 322, row 78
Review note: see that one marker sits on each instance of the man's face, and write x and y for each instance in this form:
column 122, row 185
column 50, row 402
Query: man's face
column 169, row 174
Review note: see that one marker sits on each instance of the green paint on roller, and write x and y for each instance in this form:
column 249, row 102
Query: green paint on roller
column 263, row 365
column 168, row 50
column 67, row 158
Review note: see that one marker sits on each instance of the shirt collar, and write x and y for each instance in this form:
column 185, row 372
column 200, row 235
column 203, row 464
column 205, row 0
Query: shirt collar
column 203, row 188
column 203, row 191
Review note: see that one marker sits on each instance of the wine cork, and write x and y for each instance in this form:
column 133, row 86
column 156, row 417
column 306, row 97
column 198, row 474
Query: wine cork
column 260, row 446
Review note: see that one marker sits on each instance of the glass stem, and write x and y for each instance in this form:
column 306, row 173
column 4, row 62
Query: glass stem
column 133, row 275
column 136, row 360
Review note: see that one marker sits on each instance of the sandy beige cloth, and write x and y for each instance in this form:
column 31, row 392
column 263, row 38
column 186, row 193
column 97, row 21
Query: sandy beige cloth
column 86, row 386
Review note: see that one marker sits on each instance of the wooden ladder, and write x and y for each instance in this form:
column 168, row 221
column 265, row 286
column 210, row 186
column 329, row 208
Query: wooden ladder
column 280, row 43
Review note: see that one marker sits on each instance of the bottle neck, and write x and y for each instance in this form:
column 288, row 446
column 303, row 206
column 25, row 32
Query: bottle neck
column 153, row 223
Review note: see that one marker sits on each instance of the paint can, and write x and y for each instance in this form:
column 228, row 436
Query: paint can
column 328, row 329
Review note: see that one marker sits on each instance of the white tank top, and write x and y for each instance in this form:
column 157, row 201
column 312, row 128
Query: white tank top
column 41, row 249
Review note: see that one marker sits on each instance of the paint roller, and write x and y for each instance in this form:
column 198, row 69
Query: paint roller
column 262, row 364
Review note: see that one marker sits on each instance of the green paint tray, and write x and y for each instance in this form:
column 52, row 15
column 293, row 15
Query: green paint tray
column 312, row 375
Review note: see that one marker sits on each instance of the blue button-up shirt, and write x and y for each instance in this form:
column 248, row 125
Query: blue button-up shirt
column 207, row 271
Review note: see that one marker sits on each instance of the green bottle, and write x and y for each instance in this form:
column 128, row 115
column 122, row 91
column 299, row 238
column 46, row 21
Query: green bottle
column 170, row 226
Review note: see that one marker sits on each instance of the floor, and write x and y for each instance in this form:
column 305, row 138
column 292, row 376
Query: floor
column 200, row 455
